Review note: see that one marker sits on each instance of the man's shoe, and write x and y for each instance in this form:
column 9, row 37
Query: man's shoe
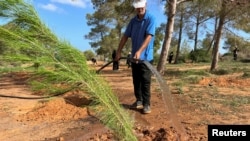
column 137, row 105
column 146, row 109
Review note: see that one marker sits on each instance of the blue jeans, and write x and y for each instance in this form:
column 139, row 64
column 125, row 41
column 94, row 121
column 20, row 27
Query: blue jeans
column 142, row 82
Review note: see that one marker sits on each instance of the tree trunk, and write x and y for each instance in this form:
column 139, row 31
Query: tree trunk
column 168, row 36
column 212, row 41
column 218, row 36
column 196, row 32
column 179, row 40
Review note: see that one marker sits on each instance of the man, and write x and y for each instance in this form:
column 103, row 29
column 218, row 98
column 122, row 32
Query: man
column 141, row 30
column 170, row 57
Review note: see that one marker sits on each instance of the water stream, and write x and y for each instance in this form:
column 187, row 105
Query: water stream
column 168, row 102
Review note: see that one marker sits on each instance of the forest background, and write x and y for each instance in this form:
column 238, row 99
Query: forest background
column 205, row 27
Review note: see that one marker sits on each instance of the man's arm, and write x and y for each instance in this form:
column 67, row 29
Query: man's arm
column 143, row 46
column 121, row 45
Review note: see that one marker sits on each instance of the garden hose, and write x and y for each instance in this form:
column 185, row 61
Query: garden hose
column 131, row 60
column 42, row 97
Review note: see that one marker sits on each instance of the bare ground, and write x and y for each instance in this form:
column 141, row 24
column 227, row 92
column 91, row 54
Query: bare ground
column 214, row 100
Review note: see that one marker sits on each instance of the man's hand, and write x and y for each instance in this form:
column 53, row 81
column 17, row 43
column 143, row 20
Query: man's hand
column 117, row 56
column 137, row 56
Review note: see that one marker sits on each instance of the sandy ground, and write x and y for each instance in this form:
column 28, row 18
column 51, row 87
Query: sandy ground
column 214, row 100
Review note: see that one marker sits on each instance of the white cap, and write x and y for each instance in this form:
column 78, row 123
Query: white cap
column 139, row 3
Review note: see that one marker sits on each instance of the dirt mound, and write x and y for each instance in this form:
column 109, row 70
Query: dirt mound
column 162, row 134
column 223, row 81
column 54, row 110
